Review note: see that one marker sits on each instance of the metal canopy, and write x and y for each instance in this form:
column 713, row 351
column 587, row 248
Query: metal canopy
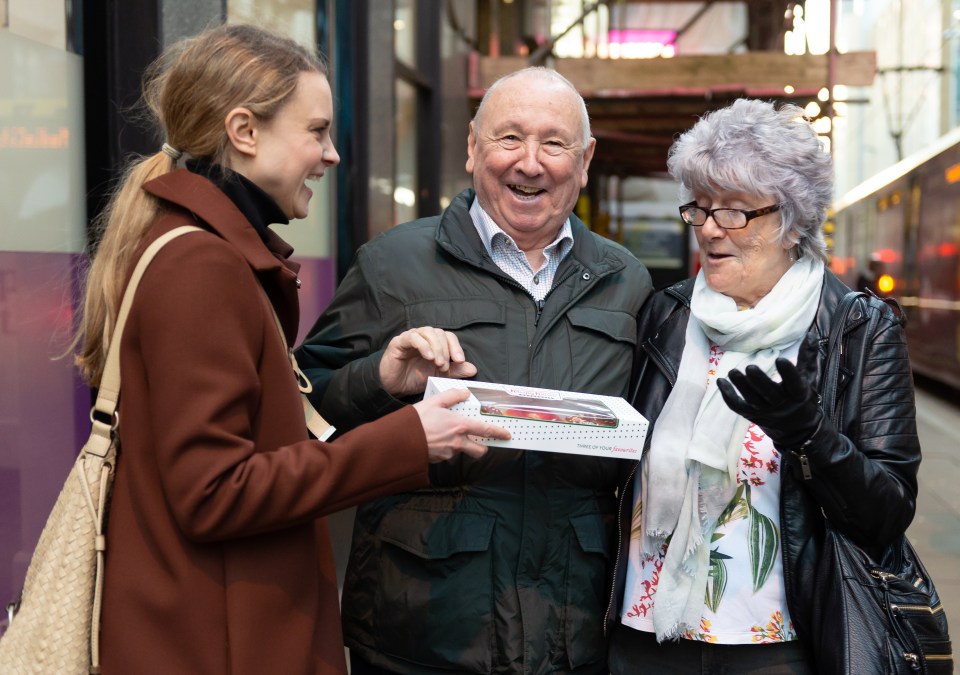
column 638, row 106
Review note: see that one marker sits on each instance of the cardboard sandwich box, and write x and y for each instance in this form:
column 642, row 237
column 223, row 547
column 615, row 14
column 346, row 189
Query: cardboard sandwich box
column 552, row 420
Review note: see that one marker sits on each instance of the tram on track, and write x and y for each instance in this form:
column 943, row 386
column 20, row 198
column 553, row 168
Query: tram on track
column 906, row 220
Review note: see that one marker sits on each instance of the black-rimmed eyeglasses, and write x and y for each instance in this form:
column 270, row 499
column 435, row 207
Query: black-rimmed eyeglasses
column 728, row 219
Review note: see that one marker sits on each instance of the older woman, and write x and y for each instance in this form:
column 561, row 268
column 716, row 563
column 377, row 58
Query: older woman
column 722, row 519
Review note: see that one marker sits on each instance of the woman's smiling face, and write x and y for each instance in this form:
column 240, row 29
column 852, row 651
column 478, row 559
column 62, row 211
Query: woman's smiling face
column 293, row 147
column 744, row 264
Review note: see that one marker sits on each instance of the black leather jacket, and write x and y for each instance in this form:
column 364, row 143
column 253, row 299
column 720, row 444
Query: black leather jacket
column 863, row 478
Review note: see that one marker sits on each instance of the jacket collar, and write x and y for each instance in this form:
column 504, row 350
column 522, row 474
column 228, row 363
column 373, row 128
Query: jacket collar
column 682, row 290
column 833, row 291
column 269, row 260
column 456, row 233
column 257, row 206
column 205, row 200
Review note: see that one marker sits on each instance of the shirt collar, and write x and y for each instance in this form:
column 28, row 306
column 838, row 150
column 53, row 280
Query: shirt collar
column 490, row 232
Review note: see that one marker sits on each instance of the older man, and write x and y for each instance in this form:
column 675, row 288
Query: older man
column 499, row 567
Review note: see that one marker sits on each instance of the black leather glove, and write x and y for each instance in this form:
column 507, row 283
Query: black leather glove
column 788, row 411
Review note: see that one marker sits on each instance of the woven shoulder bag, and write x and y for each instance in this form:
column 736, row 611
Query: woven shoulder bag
column 55, row 623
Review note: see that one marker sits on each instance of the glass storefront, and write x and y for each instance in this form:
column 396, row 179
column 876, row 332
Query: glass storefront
column 313, row 237
column 43, row 406
column 43, row 232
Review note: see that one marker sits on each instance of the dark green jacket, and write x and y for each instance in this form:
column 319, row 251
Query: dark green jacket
column 500, row 567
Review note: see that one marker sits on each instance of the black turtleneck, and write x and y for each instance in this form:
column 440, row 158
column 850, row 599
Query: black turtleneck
column 256, row 205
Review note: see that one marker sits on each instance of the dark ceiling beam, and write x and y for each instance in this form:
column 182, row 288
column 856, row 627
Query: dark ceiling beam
column 692, row 21
column 767, row 22
column 640, row 139
column 540, row 54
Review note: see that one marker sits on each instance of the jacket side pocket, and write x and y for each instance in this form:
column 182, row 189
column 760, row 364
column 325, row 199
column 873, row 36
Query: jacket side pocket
column 435, row 599
column 585, row 594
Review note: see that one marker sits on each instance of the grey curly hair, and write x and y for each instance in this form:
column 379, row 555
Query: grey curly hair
column 755, row 147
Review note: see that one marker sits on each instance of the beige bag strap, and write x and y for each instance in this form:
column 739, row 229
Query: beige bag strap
column 318, row 426
column 109, row 392
column 100, row 442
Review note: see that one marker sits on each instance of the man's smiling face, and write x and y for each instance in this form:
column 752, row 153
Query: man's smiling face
column 527, row 157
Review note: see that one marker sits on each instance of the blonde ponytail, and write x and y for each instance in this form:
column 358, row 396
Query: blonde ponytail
column 122, row 227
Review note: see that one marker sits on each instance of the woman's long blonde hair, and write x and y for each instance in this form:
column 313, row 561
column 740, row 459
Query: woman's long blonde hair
column 188, row 90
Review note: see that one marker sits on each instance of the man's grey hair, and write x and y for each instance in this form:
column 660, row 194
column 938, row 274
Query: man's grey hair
column 546, row 74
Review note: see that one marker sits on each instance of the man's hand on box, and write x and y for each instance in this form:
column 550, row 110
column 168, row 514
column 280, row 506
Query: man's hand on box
column 419, row 353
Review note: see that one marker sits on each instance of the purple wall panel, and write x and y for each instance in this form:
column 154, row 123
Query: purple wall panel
column 43, row 404
column 318, row 277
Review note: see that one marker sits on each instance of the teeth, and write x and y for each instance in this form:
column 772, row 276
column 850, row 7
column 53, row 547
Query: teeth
column 524, row 189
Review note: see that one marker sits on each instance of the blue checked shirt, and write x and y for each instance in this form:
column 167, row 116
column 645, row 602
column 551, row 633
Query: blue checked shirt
column 508, row 257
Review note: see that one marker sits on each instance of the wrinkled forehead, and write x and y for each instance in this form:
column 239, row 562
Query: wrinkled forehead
column 536, row 106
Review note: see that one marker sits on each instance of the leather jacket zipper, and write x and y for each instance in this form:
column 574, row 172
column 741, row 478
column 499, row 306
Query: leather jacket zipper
column 616, row 560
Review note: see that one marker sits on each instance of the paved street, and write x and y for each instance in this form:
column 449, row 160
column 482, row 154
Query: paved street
column 936, row 529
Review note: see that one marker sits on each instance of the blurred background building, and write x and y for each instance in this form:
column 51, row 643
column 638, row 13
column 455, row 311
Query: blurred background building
column 878, row 77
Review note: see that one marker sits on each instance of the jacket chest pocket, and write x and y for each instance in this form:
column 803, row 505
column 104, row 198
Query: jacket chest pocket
column 478, row 322
column 601, row 348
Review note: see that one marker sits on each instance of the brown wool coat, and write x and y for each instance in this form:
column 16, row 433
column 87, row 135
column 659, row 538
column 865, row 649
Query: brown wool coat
column 218, row 560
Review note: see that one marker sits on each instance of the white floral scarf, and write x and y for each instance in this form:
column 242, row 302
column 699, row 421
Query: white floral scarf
column 690, row 472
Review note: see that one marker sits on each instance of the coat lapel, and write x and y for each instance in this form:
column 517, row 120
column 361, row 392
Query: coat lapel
column 269, row 262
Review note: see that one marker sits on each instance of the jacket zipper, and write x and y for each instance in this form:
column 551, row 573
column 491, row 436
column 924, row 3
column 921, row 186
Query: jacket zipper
column 539, row 304
column 616, row 560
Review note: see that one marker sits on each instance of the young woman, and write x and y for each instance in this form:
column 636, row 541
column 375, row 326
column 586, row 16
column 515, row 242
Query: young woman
column 218, row 560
